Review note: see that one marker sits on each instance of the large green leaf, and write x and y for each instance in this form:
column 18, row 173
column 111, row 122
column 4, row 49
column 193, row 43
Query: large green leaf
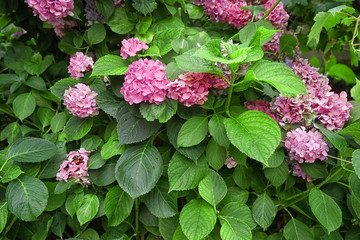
column 168, row 226
column 279, row 75
column 96, row 33
column 24, row 105
column 138, row 169
column 132, row 129
column 164, row 38
column 193, row 132
column 118, row 205
column 109, row 103
column 110, row 65
column 352, row 130
column 215, row 154
column 58, row 122
column 255, row 134
column 217, row 130
column 197, row 219
column 278, row 175
column 77, row 128
column 185, row 174
column 31, row 149
column 145, row 6
column 160, row 202
column 325, row 209
column 356, row 161
column 11, row 173
column 264, row 211
column 336, row 140
column 343, row 72
column 237, row 211
column 88, row 208
column 212, row 188
column 74, row 202
column 163, row 112
column 105, row 7
column 58, row 89
column 296, row 230
column 27, row 197
column 55, row 200
column 3, row 215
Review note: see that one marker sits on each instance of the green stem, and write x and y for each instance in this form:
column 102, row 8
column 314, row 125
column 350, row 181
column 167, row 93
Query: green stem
column 271, row 9
column 137, row 230
column 2, row 167
column 228, row 100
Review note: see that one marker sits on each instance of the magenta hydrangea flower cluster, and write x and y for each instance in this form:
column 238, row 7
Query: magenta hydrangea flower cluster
column 75, row 167
column 80, row 63
column 306, row 146
column 262, row 106
column 131, row 46
column 80, row 101
column 145, row 81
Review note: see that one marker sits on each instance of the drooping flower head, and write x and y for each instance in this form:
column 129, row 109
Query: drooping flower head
column 80, row 101
column 145, row 81
column 75, row 167
column 306, row 146
column 262, row 106
column 50, row 9
column 131, row 46
column 298, row 172
column 80, row 63
column 230, row 162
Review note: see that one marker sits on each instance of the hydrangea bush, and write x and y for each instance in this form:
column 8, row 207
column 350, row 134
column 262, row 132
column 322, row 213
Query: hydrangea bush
column 173, row 119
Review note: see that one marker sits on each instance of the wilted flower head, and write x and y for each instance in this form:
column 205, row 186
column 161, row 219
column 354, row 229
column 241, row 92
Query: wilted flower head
column 80, row 63
column 131, row 46
column 230, row 162
column 75, row 167
column 298, row 172
column 145, row 81
column 262, row 106
column 80, row 101
column 306, row 146
column 50, row 9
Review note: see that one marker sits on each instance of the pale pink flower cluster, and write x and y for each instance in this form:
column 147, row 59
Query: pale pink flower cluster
column 145, row 81
column 306, row 146
column 230, row 162
column 262, row 106
column 131, row 46
column 80, row 101
column 298, row 172
column 227, row 11
column 119, row 3
column 75, row 167
column 278, row 17
column 80, row 63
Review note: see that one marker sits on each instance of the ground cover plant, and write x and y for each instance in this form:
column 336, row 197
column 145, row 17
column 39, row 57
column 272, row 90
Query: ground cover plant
column 174, row 119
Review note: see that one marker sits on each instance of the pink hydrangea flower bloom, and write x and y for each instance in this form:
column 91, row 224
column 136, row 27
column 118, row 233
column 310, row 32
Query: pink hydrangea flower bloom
column 50, row 9
column 190, row 88
column 230, row 162
column 306, row 146
column 75, row 167
column 80, row 63
column 217, row 82
column 145, row 81
column 298, row 172
column 278, row 17
column 262, row 106
column 131, row 46
column 60, row 26
column 80, row 101
column 274, row 44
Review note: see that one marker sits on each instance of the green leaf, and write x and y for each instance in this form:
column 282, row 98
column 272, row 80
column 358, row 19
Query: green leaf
column 264, row 211
column 105, row 7
column 185, row 174
column 110, row 65
column 278, row 175
column 255, row 134
column 353, row 130
column 161, row 203
column 131, row 129
column 215, row 155
column 88, row 208
column 58, row 122
column 356, row 161
column 37, row 83
column 36, row 66
column 197, row 219
column 325, row 209
column 74, row 202
column 296, row 230
column 212, row 188
column 138, row 169
column 76, row 128
column 109, row 103
column 354, row 183
column 111, row 148
column 11, row 132
column 342, row 72
column 91, row 143
column 103, row 176
column 96, row 33
column 355, row 92
column 118, row 205
column 58, row 89
column 143, row 25
column 315, row 170
column 277, row 158
column 193, row 132
column 26, row 197
column 336, row 140
column 235, row 230
column 59, row 223
column 3, row 214
column 242, row 176
column 144, row 6
column 164, row 38
column 261, row 31
column 119, row 22
column 288, row 44
column 168, row 226
column 217, row 130
column 235, row 194
column 24, row 105
column 163, row 112
column 31, row 149
column 45, row 115
column 278, row 75
column 55, row 200
column 11, row 173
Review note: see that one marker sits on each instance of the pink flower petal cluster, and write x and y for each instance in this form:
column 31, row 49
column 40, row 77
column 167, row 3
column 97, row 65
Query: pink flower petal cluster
column 192, row 88
column 80, row 63
column 75, row 167
column 60, row 26
column 145, row 81
column 230, row 162
column 119, row 3
column 298, row 172
column 80, row 101
column 306, row 146
column 227, row 11
column 278, row 17
column 274, row 44
column 131, row 46
column 262, row 106
column 50, row 9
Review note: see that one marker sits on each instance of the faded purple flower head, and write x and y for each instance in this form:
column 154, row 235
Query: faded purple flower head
column 80, row 101
column 306, row 146
column 298, row 172
column 80, row 63
column 92, row 12
column 131, row 46
column 262, row 106
column 145, row 81
column 75, row 167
